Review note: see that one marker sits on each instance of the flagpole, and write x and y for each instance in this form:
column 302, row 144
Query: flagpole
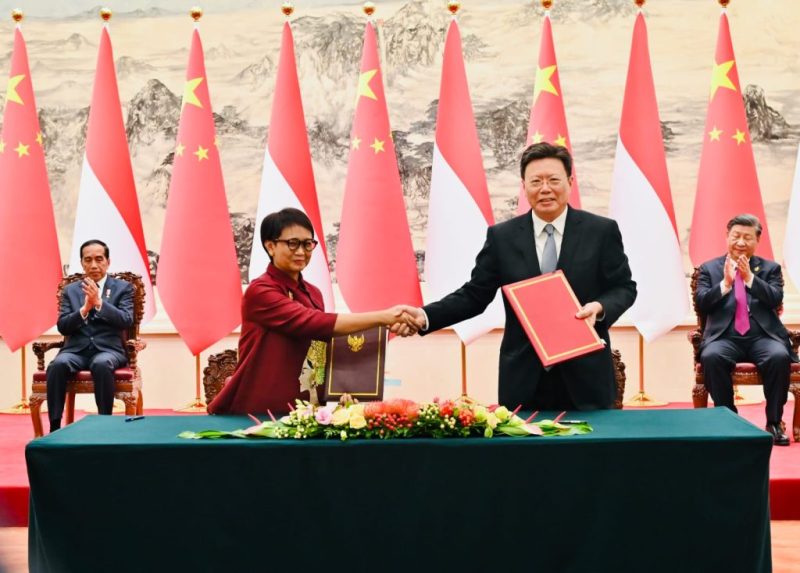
column 642, row 400
column 196, row 405
column 21, row 407
column 463, row 369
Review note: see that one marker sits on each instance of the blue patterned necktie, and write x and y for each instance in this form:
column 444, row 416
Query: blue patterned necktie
column 549, row 258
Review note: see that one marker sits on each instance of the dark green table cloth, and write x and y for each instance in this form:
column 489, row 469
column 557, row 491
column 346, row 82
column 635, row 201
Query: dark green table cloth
column 670, row 490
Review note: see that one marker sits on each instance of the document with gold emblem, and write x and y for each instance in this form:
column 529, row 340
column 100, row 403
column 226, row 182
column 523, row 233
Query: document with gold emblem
column 355, row 365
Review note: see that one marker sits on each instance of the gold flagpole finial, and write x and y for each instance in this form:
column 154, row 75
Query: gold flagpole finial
column 287, row 9
column 547, row 4
column 724, row 3
column 454, row 6
column 17, row 15
column 369, row 8
column 639, row 3
column 105, row 14
column 196, row 13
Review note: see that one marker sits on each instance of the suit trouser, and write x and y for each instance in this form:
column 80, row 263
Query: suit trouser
column 66, row 364
column 770, row 356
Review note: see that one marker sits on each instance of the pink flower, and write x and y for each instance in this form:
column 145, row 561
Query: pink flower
column 323, row 417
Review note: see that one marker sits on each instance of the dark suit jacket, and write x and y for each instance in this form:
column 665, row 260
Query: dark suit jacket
column 101, row 330
column 594, row 262
column 763, row 299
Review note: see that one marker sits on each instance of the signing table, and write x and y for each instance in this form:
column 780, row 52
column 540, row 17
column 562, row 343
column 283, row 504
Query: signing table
column 668, row 490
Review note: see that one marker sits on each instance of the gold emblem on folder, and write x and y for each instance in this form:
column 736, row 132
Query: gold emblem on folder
column 355, row 343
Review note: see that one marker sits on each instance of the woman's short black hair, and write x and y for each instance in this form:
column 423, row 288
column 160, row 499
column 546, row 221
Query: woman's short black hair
column 273, row 224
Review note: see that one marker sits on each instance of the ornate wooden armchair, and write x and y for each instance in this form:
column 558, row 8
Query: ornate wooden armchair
column 128, row 380
column 744, row 373
column 221, row 366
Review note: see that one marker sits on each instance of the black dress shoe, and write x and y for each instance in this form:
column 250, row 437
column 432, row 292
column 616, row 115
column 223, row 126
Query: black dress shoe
column 778, row 437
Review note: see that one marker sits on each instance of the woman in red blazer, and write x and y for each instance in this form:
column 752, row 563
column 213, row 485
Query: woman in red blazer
column 281, row 315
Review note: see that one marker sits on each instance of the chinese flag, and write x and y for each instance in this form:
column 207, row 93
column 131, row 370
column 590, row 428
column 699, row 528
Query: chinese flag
column 30, row 263
column 548, row 121
column 288, row 178
column 375, row 262
column 108, row 208
column 728, row 183
column 198, row 272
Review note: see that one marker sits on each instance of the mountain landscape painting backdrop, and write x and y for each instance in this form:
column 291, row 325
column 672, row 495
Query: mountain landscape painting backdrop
column 242, row 40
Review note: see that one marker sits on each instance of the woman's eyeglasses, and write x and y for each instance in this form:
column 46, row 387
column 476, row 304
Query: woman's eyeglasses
column 293, row 244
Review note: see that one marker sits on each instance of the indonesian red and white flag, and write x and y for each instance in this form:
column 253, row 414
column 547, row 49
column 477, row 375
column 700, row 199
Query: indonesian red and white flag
column 288, row 177
column 30, row 263
column 108, row 208
column 198, row 272
column 791, row 244
column 459, row 209
column 375, row 262
column 641, row 202
column 728, row 183
column 548, row 121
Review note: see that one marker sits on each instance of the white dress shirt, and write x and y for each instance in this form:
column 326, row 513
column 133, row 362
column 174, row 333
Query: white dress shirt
column 540, row 236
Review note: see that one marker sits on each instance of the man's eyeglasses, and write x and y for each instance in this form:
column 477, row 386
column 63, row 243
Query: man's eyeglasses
column 293, row 244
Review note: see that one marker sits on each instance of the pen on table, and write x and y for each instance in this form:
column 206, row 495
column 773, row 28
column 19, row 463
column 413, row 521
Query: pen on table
column 134, row 418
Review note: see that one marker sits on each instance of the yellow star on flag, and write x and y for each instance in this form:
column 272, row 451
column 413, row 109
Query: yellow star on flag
column 11, row 91
column 536, row 137
column 714, row 134
column 188, row 92
column 363, row 84
column 39, row 138
column 22, row 149
column 720, row 79
column 356, row 143
column 561, row 140
column 2, row 146
column 377, row 145
column 179, row 149
column 201, row 153
column 543, row 82
column 739, row 137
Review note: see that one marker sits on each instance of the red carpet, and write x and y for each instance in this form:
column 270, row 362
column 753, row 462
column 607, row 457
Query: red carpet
column 16, row 431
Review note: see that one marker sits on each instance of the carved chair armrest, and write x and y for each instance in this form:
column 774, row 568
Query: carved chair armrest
column 794, row 339
column 39, row 349
column 133, row 347
column 695, row 337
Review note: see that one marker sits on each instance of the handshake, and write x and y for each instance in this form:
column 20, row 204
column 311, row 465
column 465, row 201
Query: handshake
column 404, row 320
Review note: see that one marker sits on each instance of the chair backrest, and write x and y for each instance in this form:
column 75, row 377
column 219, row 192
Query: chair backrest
column 138, row 297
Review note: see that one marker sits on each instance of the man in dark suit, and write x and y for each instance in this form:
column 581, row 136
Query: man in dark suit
column 94, row 313
column 586, row 247
column 740, row 294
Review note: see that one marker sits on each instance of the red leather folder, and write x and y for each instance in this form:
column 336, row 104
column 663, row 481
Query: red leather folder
column 546, row 307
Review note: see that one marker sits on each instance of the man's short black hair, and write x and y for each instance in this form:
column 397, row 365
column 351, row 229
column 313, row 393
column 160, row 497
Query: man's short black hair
column 746, row 220
column 95, row 242
column 545, row 150
column 273, row 224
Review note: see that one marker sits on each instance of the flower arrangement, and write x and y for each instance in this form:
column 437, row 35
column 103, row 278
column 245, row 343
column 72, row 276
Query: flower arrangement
column 398, row 418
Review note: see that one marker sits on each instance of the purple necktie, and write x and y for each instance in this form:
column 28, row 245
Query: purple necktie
column 741, row 321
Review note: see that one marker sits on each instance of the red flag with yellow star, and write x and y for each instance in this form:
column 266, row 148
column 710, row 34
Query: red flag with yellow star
column 30, row 263
column 728, row 183
column 198, row 273
column 548, row 122
column 375, row 263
